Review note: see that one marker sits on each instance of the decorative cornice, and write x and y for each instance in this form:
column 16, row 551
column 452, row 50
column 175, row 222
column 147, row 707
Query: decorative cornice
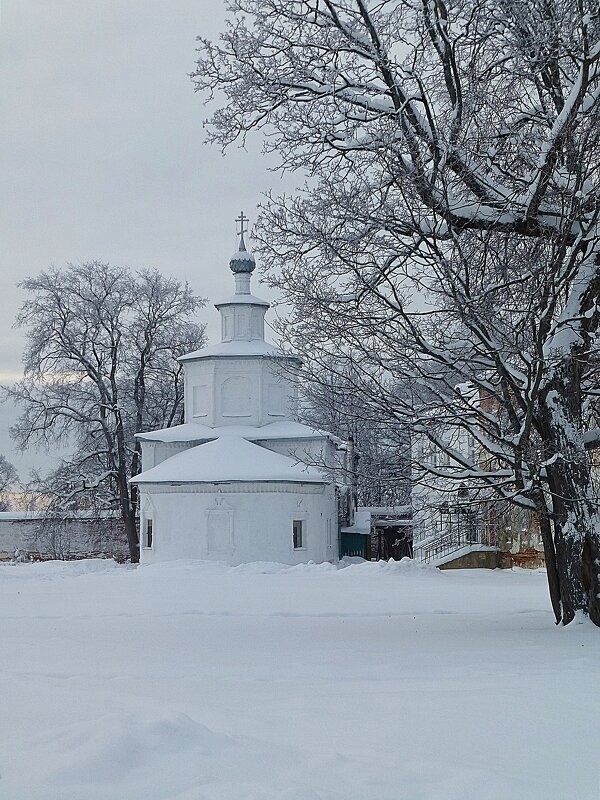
column 235, row 487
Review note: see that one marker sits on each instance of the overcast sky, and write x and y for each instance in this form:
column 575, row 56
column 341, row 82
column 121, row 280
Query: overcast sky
column 102, row 153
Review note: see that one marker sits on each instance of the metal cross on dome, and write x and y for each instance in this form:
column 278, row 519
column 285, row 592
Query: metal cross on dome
column 241, row 219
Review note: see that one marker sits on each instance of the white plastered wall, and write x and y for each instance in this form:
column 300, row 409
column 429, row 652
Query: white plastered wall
column 238, row 523
column 238, row 391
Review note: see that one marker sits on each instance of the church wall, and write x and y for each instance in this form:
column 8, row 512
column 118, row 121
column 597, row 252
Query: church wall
column 318, row 452
column 238, row 391
column 199, row 400
column 279, row 391
column 154, row 453
column 148, row 455
column 240, row 523
column 245, row 322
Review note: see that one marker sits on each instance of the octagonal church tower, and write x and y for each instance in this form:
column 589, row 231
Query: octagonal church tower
column 241, row 479
column 244, row 379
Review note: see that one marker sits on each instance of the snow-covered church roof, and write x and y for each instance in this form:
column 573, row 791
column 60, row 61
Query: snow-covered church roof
column 229, row 459
column 237, row 349
column 242, row 299
column 196, row 432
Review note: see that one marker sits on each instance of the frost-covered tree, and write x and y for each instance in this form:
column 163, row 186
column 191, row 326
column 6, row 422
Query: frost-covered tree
column 101, row 365
column 448, row 235
column 380, row 473
column 8, row 479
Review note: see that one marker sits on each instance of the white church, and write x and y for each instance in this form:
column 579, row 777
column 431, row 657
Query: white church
column 233, row 483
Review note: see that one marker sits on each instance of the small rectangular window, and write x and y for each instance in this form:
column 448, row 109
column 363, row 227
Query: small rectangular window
column 148, row 534
column 298, row 533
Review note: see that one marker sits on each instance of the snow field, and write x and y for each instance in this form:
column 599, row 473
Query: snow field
column 198, row 681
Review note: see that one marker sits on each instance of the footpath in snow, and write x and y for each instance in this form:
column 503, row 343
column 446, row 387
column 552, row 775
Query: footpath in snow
column 197, row 681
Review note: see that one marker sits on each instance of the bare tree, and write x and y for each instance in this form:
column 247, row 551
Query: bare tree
column 449, row 231
column 8, row 479
column 73, row 520
column 381, row 469
column 100, row 366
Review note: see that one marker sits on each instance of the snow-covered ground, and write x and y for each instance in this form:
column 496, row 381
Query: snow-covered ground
column 193, row 681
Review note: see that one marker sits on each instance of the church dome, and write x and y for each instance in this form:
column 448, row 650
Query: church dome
column 242, row 261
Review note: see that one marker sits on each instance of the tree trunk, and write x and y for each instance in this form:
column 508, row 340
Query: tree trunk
column 126, row 501
column 590, row 570
column 575, row 519
column 128, row 513
column 130, row 523
column 550, row 559
column 577, row 543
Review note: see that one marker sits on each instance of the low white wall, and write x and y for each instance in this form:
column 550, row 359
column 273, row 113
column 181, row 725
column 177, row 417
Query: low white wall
column 74, row 537
column 238, row 523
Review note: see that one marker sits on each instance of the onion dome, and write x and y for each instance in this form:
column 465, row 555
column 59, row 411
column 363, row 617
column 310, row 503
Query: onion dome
column 242, row 261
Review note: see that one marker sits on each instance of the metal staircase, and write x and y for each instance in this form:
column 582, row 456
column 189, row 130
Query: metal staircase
column 458, row 533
